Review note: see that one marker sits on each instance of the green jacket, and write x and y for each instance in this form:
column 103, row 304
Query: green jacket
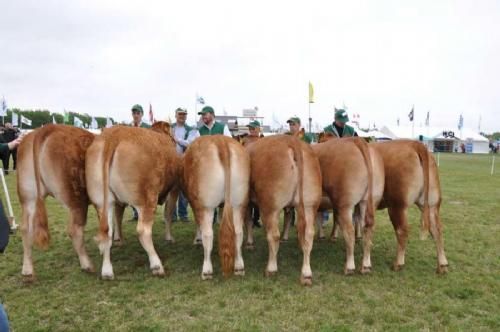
column 143, row 125
column 348, row 131
column 4, row 147
column 217, row 129
column 308, row 137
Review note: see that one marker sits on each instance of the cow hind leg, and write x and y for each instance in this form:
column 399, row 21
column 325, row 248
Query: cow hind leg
column 307, row 244
column 399, row 219
column 205, row 218
column 78, row 219
column 437, row 235
column 238, row 218
column 345, row 220
column 27, row 228
column 366, row 237
column 273, row 238
column 104, row 243
column 144, row 231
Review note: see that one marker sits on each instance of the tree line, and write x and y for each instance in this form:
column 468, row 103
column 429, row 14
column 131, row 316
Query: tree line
column 41, row 117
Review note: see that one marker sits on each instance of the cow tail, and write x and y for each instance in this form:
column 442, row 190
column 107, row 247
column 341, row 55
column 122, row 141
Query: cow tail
column 423, row 155
column 107, row 157
column 227, row 241
column 370, row 210
column 301, row 215
column 40, row 220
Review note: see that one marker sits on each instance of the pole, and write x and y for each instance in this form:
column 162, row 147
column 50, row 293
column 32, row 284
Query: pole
column 438, row 157
column 492, row 166
column 413, row 127
column 310, row 119
column 11, row 218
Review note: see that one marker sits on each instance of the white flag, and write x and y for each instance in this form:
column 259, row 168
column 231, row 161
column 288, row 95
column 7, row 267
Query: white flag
column 25, row 120
column 53, row 120
column 109, row 123
column 3, row 107
column 77, row 122
column 15, row 119
column 93, row 124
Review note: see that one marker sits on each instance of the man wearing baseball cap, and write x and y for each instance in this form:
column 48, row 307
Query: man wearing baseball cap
column 183, row 135
column 137, row 114
column 209, row 125
column 339, row 128
column 295, row 130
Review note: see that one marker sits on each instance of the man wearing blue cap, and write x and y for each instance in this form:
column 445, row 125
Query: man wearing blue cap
column 210, row 126
column 339, row 128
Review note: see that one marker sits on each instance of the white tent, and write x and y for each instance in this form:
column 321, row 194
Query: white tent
column 441, row 138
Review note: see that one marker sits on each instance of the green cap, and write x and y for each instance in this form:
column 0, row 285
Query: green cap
column 137, row 108
column 294, row 119
column 341, row 115
column 254, row 124
column 181, row 110
column 206, row 109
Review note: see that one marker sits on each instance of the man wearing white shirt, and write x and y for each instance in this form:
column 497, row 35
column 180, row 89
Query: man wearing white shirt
column 183, row 135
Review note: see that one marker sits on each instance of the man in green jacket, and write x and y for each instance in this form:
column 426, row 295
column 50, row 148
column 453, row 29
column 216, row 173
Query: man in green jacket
column 295, row 130
column 210, row 126
column 339, row 128
column 137, row 114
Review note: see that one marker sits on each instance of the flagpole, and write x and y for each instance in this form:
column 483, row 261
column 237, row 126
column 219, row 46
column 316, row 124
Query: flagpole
column 310, row 119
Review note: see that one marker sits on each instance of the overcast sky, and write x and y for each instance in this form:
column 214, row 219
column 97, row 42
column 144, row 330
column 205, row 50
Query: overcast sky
column 376, row 57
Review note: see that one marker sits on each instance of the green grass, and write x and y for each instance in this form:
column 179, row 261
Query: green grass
column 467, row 298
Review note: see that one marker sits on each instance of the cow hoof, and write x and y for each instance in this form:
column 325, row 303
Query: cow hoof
column 250, row 246
column 198, row 242
column 366, row 270
column 170, row 241
column 108, row 277
column 89, row 269
column 206, row 276
column 321, row 238
column 306, row 281
column 333, row 239
column 118, row 243
column 442, row 269
column 269, row 274
column 359, row 239
column 397, row 267
column 239, row 272
column 28, row 278
column 349, row 272
column 284, row 240
column 158, row 271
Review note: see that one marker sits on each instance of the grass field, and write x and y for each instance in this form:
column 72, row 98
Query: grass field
column 467, row 298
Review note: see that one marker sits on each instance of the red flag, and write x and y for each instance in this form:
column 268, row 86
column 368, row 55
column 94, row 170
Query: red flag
column 151, row 117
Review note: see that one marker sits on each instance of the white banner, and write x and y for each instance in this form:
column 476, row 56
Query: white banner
column 3, row 107
column 25, row 120
column 15, row 119
column 77, row 122
column 93, row 124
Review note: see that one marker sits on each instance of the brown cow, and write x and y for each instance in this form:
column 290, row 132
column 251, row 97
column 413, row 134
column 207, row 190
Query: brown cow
column 411, row 177
column 347, row 171
column 132, row 166
column 216, row 169
column 51, row 161
column 284, row 173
